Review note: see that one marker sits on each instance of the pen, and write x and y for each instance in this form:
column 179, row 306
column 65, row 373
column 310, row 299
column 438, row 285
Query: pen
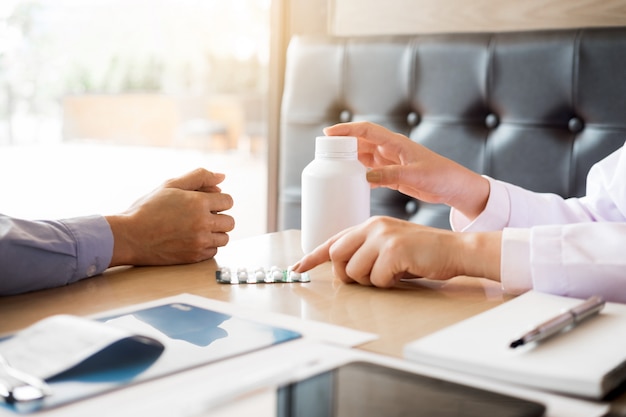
column 568, row 318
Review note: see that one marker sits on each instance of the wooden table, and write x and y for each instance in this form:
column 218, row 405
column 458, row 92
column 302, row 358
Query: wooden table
column 397, row 315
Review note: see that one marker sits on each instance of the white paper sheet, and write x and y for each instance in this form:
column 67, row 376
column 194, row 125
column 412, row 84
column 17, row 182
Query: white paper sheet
column 58, row 343
column 312, row 330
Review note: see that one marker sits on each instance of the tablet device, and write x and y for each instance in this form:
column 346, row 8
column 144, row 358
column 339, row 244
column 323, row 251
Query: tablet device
column 366, row 389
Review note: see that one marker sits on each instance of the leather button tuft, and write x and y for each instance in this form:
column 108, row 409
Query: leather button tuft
column 412, row 119
column 345, row 116
column 575, row 125
column 491, row 121
column 411, row 207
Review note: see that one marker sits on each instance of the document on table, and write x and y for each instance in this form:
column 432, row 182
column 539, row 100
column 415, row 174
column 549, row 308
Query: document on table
column 80, row 358
column 59, row 343
column 84, row 357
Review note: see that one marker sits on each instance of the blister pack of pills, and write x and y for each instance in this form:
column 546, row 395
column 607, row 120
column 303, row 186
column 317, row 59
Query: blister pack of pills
column 261, row 275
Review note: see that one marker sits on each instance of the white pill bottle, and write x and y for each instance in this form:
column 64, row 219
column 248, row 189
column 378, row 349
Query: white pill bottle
column 335, row 192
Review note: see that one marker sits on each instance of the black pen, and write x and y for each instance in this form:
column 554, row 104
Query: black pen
column 568, row 318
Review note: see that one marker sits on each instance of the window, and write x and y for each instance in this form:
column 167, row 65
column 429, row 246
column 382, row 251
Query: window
column 101, row 101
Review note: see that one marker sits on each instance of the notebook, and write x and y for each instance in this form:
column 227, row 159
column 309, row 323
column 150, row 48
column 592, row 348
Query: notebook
column 588, row 360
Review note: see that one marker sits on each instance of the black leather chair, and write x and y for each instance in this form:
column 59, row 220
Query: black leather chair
column 535, row 109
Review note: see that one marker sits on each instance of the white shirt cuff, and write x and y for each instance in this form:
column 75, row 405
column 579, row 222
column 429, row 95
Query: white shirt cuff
column 495, row 216
column 515, row 268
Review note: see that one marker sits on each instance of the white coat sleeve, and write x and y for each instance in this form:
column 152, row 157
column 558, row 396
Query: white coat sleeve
column 574, row 247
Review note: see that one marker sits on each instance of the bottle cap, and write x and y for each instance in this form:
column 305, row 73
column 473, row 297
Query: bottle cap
column 335, row 145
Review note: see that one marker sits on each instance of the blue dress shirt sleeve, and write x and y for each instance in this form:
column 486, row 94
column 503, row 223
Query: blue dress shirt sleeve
column 42, row 254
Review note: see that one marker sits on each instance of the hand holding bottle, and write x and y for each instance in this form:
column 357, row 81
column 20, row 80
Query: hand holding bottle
column 398, row 163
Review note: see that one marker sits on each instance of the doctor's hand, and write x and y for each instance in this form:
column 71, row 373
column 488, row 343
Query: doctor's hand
column 179, row 222
column 383, row 250
column 398, row 163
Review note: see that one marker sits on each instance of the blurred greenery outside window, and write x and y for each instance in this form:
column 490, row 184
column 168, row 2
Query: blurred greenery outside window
column 51, row 49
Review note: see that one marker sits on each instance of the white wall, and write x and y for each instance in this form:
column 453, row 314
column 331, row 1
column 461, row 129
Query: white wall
column 376, row 17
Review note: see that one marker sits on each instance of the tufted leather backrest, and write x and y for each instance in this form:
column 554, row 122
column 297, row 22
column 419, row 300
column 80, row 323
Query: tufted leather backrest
column 536, row 109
